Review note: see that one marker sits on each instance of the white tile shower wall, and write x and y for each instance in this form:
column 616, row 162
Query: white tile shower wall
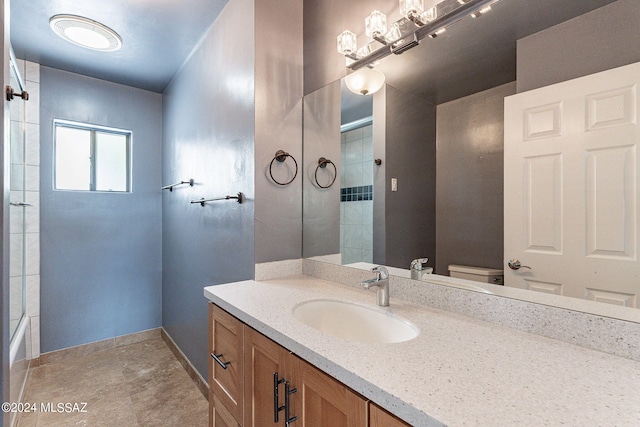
column 31, row 73
column 356, row 217
column 17, row 187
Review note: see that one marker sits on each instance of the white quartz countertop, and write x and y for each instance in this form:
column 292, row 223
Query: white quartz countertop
column 458, row 371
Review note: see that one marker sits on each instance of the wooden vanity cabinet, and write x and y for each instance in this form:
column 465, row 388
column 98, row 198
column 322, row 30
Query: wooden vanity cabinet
column 316, row 399
column 378, row 417
column 226, row 365
column 244, row 393
column 324, row 401
column 264, row 359
column 219, row 416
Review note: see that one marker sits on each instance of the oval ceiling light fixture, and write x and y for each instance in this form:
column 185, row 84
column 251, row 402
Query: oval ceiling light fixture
column 365, row 81
column 85, row 32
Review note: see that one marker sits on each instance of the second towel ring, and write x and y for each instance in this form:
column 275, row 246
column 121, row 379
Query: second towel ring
column 322, row 163
column 281, row 156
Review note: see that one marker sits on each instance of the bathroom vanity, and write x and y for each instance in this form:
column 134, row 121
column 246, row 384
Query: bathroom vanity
column 251, row 380
column 457, row 371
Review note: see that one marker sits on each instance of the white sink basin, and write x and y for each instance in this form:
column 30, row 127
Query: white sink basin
column 355, row 322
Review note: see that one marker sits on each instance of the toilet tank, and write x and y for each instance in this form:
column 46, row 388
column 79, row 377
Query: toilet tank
column 478, row 274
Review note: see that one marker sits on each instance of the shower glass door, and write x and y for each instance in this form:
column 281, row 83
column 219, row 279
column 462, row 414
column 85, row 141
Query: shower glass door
column 17, row 282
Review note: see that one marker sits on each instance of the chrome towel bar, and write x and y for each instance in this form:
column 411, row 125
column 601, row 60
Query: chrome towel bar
column 170, row 187
column 239, row 197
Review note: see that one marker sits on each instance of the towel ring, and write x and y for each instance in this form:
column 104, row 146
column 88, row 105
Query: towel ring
column 281, row 156
column 322, row 163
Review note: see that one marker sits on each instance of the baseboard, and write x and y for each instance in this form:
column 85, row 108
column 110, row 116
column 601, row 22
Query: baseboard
column 186, row 364
column 85, row 349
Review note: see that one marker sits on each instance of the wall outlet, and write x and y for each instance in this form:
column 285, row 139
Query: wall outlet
column 394, row 184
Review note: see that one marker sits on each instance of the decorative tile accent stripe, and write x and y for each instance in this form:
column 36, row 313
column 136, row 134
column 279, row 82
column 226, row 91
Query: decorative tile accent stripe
column 354, row 194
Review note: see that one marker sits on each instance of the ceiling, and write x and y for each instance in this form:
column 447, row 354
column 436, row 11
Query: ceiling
column 158, row 36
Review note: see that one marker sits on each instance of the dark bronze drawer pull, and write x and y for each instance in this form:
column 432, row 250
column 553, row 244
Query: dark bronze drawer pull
column 287, row 404
column 220, row 362
column 276, row 407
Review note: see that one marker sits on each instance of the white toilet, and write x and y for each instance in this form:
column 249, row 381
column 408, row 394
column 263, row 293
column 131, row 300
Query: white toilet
column 478, row 274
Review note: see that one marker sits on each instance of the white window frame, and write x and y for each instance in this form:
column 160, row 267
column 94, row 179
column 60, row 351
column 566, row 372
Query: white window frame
column 93, row 129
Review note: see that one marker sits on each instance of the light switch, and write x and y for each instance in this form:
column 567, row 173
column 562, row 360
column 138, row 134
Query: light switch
column 394, row 184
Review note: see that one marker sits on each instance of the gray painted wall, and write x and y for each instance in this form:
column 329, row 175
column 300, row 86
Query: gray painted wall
column 379, row 176
column 210, row 138
column 100, row 252
column 410, row 158
column 278, row 126
column 321, row 139
column 249, row 81
column 470, row 138
column 605, row 38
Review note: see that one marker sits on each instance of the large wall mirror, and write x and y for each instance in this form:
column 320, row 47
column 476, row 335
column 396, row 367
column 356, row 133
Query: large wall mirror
column 421, row 170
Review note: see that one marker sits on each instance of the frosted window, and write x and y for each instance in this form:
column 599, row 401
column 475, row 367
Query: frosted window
column 73, row 159
column 91, row 159
column 111, row 162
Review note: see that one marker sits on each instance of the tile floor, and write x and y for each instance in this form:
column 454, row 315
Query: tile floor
column 140, row 384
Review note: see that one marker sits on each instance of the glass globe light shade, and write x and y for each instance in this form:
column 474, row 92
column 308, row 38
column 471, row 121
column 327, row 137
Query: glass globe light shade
column 365, row 81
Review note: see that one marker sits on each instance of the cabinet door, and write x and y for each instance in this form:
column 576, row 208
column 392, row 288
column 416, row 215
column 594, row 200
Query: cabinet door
column 323, row 401
column 219, row 416
column 378, row 417
column 263, row 359
column 226, row 377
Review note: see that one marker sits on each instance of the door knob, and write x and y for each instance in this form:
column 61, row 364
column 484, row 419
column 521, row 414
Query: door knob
column 514, row 264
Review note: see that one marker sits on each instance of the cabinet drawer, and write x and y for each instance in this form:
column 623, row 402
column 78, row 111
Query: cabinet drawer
column 227, row 367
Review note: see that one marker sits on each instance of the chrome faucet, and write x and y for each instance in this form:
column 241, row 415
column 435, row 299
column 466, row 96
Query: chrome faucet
column 416, row 268
column 381, row 281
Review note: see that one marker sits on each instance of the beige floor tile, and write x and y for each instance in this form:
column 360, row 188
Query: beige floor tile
column 141, row 384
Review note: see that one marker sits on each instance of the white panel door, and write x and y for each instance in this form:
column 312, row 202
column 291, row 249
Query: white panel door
column 571, row 188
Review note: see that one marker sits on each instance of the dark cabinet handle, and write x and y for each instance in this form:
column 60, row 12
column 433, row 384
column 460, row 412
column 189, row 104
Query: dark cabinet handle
column 217, row 357
column 287, row 404
column 276, row 408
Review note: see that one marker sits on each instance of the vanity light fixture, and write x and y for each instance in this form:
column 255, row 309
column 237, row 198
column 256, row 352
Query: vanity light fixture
column 481, row 12
column 437, row 33
column 429, row 15
column 376, row 26
column 412, row 9
column 347, row 44
column 365, row 81
column 415, row 24
column 85, row 32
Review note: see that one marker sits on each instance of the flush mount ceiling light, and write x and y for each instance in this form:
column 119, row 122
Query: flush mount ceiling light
column 85, row 32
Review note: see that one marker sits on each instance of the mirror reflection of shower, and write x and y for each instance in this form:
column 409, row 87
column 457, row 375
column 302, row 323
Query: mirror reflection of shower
column 356, row 178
